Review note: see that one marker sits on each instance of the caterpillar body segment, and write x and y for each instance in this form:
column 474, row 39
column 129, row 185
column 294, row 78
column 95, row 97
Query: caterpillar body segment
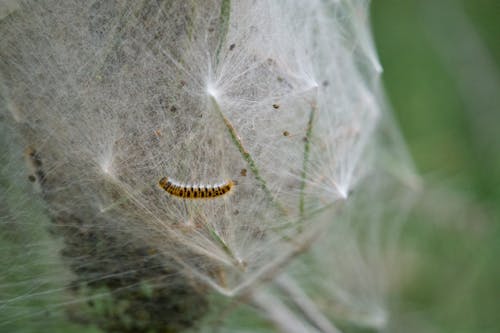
column 195, row 191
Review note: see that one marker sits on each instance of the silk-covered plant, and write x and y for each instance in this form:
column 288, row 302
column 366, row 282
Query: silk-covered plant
column 279, row 101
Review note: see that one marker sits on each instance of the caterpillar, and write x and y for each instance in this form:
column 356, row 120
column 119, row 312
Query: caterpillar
column 195, row 191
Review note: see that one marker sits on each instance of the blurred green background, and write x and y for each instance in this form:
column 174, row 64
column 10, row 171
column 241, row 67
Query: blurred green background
column 441, row 74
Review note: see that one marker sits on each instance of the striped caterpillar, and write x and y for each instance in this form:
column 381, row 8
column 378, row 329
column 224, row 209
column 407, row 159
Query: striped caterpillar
column 195, row 191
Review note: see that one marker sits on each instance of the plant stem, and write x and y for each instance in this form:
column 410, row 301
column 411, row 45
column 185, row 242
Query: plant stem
column 246, row 155
column 305, row 161
column 225, row 13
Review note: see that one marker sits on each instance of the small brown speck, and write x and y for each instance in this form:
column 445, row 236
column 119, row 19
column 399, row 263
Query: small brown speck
column 158, row 133
column 305, row 139
column 231, row 47
column 173, row 109
column 286, row 133
column 211, row 29
column 236, row 212
column 243, row 172
column 183, row 83
column 276, row 106
column 35, row 157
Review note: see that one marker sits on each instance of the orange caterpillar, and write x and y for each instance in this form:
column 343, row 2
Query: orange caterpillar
column 195, row 191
